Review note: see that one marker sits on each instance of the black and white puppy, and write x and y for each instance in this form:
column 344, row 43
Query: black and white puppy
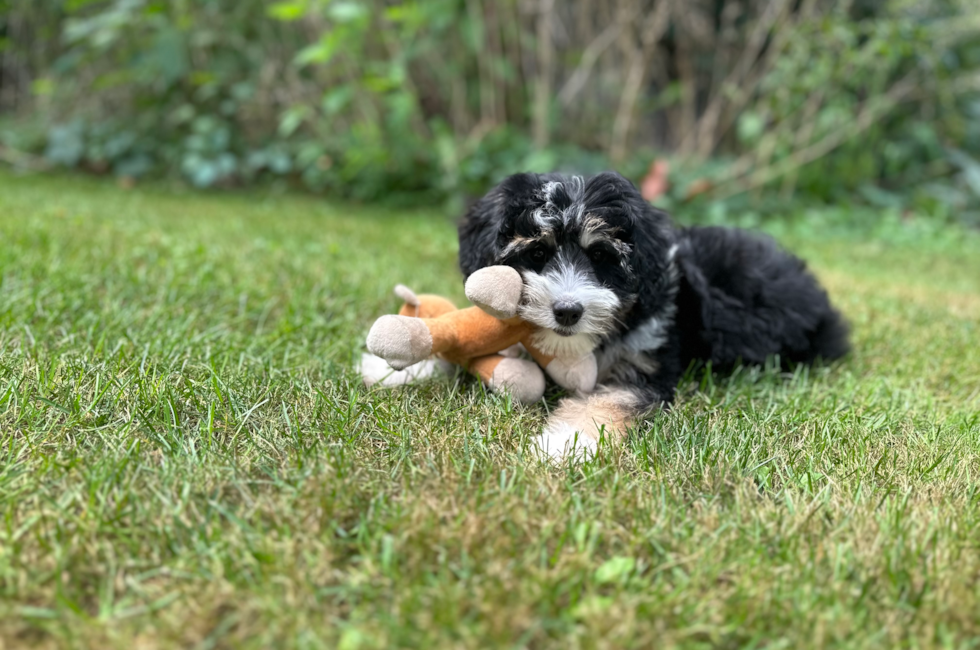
column 604, row 270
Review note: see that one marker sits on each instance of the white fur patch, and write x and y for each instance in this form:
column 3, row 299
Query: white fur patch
column 556, row 345
column 560, row 441
column 541, row 219
column 636, row 348
column 549, row 215
column 652, row 333
column 577, row 188
column 548, row 191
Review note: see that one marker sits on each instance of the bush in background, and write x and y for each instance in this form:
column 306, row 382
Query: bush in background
column 755, row 101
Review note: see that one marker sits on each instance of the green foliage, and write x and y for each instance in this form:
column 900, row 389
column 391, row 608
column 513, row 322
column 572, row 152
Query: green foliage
column 172, row 89
column 433, row 100
column 882, row 111
column 923, row 131
column 198, row 88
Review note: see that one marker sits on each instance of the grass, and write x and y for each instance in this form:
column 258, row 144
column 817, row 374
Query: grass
column 188, row 459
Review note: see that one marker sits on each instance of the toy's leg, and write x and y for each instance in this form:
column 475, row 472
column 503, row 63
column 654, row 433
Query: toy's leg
column 376, row 371
column 571, row 374
column 405, row 340
column 496, row 290
column 458, row 336
column 521, row 378
column 399, row 344
column 400, row 340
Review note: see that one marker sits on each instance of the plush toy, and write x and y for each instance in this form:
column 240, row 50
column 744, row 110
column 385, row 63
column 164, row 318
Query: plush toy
column 474, row 337
column 500, row 372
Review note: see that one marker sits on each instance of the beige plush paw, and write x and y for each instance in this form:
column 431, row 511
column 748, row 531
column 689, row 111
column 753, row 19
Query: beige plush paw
column 577, row 374
column 521, row 378
column 400, row 340
column 496, row 290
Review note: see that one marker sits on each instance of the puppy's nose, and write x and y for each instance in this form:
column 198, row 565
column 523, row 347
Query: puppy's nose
column 567, row 313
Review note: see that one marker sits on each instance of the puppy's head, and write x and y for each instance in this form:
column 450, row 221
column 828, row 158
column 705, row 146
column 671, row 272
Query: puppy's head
column 591, row 252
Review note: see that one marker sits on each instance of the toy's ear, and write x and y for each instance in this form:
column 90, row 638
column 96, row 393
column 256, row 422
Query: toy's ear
column 488, row 220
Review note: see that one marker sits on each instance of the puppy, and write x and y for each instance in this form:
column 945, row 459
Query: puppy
column 604, row 270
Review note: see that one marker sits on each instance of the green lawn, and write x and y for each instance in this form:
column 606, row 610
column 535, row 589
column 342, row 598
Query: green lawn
column 188, row 459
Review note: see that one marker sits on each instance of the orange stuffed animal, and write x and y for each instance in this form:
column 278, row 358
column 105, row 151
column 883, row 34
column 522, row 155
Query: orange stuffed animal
column 474, row 337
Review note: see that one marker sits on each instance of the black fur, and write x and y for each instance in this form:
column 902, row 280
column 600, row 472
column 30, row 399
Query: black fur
column 724, row 296
column 743, row 299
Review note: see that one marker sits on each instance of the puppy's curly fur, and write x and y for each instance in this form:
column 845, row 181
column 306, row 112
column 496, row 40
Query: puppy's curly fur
column 605, row 271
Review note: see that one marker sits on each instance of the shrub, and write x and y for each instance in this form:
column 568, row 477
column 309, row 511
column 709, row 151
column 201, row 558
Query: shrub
column 436, row 99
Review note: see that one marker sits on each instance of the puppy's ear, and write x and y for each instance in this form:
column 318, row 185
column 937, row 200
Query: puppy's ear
column 489, row 219
column 610, row 189
column 478, row 232
column 613, row 198
column 654, row 239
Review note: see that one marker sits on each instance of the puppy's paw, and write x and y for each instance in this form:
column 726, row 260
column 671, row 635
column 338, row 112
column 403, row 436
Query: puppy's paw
column 561, row 441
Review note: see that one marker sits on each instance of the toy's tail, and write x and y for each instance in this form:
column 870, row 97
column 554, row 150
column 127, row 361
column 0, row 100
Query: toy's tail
column 407, row 295
column 423, row 305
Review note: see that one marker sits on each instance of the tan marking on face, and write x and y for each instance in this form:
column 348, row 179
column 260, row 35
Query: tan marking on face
column 519, row 242
column 595, row 229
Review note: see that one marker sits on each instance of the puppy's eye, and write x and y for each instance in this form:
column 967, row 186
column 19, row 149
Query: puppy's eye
column 598, row 256
column 538, row 254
